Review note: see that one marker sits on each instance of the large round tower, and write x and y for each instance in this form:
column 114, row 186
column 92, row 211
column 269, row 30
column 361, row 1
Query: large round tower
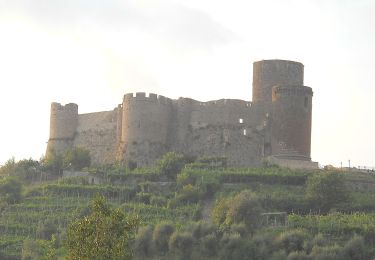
column 291, row 121
column 63, row 126
column 145, row 128
column 269, row 73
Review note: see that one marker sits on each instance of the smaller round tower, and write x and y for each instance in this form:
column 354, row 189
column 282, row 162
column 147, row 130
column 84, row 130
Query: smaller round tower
column 63, row 126
column 291, row 122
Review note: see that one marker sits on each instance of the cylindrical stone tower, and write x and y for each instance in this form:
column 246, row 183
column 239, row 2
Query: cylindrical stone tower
column 145, row 128
column 63, row 126
column 269, row 73
column 291, row 121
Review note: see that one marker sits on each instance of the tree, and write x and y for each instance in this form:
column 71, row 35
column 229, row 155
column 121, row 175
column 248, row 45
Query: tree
column 25, row 169
column 171, row 164
column 104, row 234
column 325, row 190
column 245, row 208
column 77, row 158
column 10, row 190
column 53, row 162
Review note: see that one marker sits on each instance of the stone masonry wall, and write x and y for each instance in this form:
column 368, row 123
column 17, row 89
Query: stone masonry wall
column 97, row 133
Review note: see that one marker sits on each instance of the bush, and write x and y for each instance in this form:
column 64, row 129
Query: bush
column 209, row 245
column 326, row 252
column 200, row 229
column 161, row 235
column 143, row 197
column 10, row 190
column 143, row 242
column 240, row 229
column 77, row 158
column 244, row 208
column 219, row 212
column 355, row 249
column 181, row 244
column 189, row 194
column 299, row 256
column 232, row 246
column 325, row 190
column 171, row 164
column 158, row 201
column 46, row 229
column 292, row 240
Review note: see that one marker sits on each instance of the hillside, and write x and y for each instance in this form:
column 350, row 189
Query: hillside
column 212, row 212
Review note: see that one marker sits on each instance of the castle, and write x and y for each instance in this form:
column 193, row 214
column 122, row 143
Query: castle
column 275, row 125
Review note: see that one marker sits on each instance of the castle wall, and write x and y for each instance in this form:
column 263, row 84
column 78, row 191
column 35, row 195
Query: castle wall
column 97, row 132
column 143, row 128
column 218, row 128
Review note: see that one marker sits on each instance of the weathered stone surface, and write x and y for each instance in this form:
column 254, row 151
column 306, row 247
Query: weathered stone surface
column 144, row 127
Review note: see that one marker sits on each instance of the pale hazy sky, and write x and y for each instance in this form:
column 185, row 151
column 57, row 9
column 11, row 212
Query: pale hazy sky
column 92, row 52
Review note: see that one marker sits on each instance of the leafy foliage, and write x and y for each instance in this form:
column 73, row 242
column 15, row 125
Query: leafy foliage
column 10, row 190
column 104, row 234
column 77, row 158
column 325, row 190
column 171, row 164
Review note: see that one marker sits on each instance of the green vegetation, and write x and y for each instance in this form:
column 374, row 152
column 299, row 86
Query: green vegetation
column 103, row 234
column 187, row 209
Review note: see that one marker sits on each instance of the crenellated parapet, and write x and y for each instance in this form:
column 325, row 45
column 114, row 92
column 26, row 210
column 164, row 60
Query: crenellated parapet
column 143, row 97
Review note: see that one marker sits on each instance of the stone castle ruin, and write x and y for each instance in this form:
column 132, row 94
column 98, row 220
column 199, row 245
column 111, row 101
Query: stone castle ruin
column 276, row 125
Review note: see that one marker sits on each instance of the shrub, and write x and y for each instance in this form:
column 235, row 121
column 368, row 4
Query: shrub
column 171, row 164
column 219, row 212
column 200, row 229
column 355, row 249
column 158, row 201
column 326, row 252
column 209, row 245
column 143, row 242
column 189, row 194
column 181, row 244
column 325, row 190
column 292, row 240
column 77, row 158
column 244, row 208
column 239, row 228
column 143, row 197
column 161, row 235
column 46, row 229
column 232, row 246
column 298, row 255
column 10, row 190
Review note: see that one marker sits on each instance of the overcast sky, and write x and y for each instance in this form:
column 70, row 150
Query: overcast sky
column 93, row 52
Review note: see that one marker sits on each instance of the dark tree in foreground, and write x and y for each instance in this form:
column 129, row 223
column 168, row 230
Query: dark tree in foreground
column 104, row 234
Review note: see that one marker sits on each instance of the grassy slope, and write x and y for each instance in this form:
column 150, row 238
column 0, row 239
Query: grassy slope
column 61, row 203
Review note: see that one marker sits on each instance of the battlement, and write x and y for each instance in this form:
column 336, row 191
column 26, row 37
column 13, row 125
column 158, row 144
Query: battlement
column 151, row 97
column 288, row 90
column 68, row 107
column 212, row 103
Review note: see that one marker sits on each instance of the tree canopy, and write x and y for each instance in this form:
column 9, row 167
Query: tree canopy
column 326, row 189
column 104, row 234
